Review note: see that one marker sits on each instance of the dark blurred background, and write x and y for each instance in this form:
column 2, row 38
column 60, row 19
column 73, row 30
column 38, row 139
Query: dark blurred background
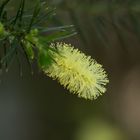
column 34, row 107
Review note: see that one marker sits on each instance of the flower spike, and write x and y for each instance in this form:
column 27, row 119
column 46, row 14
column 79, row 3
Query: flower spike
column 79, row 73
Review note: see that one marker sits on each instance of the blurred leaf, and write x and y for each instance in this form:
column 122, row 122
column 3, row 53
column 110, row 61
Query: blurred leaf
column 10, row 52
column 100, row 30
column 4, row 3
column 45, row 14
column 19, row 13
column 35, row 14
column 44, row 59
column 59, row 35
column 29, row 50
column 60, row 28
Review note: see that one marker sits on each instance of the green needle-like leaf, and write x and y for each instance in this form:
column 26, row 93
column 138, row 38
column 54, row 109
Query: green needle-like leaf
column 4, row 3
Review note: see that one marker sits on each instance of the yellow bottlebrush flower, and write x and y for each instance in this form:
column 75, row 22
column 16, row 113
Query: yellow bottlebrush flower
column 79, row 73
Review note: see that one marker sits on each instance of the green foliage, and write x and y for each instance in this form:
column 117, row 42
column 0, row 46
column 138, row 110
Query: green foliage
column 44, row 59
column 26, row 32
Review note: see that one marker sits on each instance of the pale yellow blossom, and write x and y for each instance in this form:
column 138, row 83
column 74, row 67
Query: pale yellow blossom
column 78, row 73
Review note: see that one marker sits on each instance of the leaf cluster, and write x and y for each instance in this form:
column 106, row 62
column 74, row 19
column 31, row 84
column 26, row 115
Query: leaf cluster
column 26, row 34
